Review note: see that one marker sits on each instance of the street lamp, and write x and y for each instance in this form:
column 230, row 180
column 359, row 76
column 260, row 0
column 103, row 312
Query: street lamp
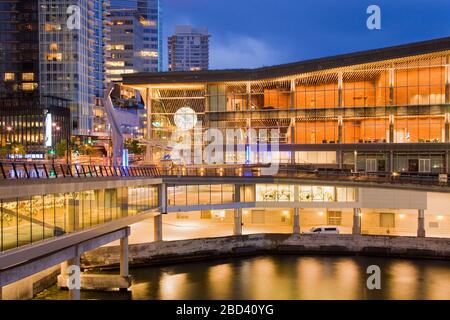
column 16, row 151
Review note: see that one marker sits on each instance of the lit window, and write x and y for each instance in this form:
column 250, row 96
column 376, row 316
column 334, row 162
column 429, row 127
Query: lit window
column 28, row 86
column 52, row 27
column 53, row 46
column 117, row 47
column 54, row 57
column 28, row 76
column 152, row 54
column 9, row 76
column 116, row 63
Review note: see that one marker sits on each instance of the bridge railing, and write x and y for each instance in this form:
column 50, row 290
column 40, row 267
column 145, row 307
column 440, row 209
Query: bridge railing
column 292, row 171
column 35, row 170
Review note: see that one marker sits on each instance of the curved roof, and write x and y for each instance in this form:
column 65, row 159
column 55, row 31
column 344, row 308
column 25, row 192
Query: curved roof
column 284, row 70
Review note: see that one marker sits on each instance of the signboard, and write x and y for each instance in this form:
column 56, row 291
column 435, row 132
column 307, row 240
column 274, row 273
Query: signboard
column 48, row 130
column 443, row 178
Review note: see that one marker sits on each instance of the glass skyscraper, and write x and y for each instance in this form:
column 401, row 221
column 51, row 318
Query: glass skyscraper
column 151, row 11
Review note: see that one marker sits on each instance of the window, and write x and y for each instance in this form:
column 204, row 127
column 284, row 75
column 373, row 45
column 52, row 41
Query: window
column 334, row 218
column 9, row 76
column 371, row 165
column 28, row 76
column 54, row 57
column 387, row 220
column 28, row 86
column 424, row 165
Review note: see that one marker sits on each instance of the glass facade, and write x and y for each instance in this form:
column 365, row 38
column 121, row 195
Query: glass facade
column 31, row 219
column 366, row 106
column 194, row 195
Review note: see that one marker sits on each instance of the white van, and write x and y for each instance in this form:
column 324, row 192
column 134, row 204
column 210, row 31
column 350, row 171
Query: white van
column 323, row 230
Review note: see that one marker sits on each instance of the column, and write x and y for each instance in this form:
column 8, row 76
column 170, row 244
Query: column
column 391, row 138
column 72, row 212
column 447, row 164
column 340, row 159
column 447, row 127
column 296, row 220
column 124, row 267
column 1, row 293
column 122, row 200
column 293, row 94
column 447, row 81
column 157, row 224
column 391, row 85
column 356, row 221
column 355, row 159
column 340, row 89
column 237, row 230
column 340, row 129
column 149, row 151
column 162, row 198
column 70, row 270
column 249, row 96
column 391, row 161
column 421, row 223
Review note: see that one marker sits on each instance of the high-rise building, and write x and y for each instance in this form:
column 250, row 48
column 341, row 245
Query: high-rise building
column 150, row 12
column 52, row 51
column 71, row 58
column 189, row 49
column 126, row 44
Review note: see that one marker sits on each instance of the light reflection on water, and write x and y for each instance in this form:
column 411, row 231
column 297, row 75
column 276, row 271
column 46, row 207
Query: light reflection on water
column 283, row 277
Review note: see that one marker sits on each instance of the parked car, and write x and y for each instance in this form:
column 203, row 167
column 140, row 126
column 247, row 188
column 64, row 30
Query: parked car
column 323, row 230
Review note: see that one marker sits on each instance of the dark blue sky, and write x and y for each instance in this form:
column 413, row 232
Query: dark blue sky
column 253, row 33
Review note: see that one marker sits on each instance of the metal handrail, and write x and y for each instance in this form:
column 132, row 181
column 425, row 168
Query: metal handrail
column 34, row 170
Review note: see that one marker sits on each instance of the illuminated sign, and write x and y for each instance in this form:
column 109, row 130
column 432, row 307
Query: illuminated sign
column 125, row 158
column 48, row 130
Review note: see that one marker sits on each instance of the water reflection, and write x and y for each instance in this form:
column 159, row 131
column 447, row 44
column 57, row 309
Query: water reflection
column 284, row 277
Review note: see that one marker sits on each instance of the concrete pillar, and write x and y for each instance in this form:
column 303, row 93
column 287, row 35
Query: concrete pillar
column 355, row 159
column 340, row 129
column 162, row 198
column 73, row 275
column 237, row 230
column 421, row 223
column 296, row 221
column 124, row 267
column 72, row 212
column 158, row 227
column 356, row 221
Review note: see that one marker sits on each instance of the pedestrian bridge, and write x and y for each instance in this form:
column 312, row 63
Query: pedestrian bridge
column 51, row 213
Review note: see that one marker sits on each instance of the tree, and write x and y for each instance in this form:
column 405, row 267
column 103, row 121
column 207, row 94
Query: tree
column 87, row 150
column 135, row 147
column 16, row 149
column 4, row 151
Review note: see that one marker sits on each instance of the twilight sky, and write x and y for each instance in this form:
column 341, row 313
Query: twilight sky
column 254, row 33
